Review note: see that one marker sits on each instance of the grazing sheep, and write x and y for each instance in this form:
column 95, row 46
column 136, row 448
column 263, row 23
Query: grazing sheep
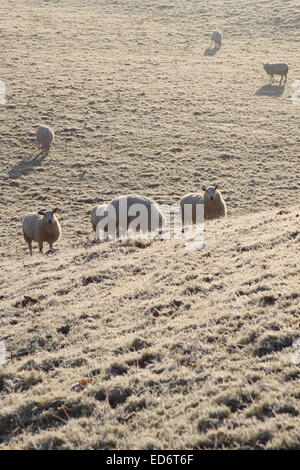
column 97, row 214
column 135, row 212
column 41, row 226
column 216, row 37
column 214, row 205
column 277, row 69
column 44, row 137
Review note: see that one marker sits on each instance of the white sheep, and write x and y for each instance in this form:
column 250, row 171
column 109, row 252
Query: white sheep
column 276, row 69
column 98, row 213
column 134, row 212
column 41, row 226
column 216, row 37
column 214, row 205
column 44, row 137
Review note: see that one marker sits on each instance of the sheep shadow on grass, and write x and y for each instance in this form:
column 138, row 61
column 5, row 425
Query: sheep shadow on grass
column 212, row 51
column 26, row 166
column 270, row 90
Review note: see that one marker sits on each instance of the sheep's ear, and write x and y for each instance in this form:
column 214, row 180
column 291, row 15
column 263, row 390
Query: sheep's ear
column 54, row 210
column 203, row 188
column 216, row 186
column 41, row 212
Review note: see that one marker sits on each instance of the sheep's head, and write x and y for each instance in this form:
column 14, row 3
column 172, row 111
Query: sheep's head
column 265, row 66
column 48, row 215
column 210, row 192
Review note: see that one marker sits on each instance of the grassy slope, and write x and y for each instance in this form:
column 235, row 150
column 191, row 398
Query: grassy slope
column 176, row 349
column 179, row 349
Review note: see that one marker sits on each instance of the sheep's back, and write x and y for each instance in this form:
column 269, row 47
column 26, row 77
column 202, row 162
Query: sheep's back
column 132, row 199
column 279, row 68
column 192, row 198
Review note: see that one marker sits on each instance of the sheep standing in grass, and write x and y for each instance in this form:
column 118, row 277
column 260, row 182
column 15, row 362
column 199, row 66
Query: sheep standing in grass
column 277, row 69
column 98, row 213
column 134, row 212
column 44, row 137
column 214, row 205
column 216, row 38
column 41, row 226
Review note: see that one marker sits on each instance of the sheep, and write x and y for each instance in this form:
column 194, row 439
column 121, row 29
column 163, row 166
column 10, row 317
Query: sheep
column 41, row 226
column 44, row 137
column 97, row 214
column 276, row 69
column 214, row 205
column 133, row 212
column 216, row 37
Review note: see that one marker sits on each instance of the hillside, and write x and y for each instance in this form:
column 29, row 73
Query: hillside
column 131, row 344
column 134, row 344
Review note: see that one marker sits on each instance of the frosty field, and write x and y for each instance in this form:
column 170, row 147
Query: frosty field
column 145, row 344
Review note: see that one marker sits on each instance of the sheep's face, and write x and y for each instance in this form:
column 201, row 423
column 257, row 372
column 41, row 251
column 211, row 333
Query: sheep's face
column 210, row 192
column 48, row 216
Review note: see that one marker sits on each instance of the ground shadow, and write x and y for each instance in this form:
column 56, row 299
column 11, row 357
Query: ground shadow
column 211, row 51
column 270, row 90
column 26, row 166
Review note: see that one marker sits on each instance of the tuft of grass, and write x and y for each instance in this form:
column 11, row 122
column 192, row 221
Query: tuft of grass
column 270, row 343
column 118, row 395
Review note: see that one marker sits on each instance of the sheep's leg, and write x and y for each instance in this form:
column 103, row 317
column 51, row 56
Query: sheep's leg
column 30, row 247
column 29, row 242
column 95, row 230
column 46, row 150
column 182, row 221
column 41, row 246
column 39, row 146
column 120, row 233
